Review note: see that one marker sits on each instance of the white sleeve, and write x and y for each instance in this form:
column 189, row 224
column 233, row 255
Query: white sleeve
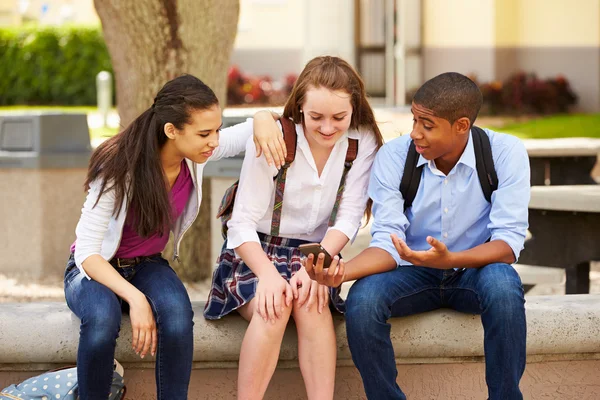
column 93, row 223
column 232, row 140
column 355, row 196
column 253, row 198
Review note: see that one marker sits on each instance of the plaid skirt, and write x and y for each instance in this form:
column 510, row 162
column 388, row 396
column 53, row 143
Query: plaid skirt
column 234, row 284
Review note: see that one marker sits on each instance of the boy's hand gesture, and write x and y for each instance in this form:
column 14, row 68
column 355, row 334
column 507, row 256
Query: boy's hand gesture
column 438, row 256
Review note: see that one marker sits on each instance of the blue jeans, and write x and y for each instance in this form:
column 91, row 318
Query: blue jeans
column 99, row 310
column 494, row 291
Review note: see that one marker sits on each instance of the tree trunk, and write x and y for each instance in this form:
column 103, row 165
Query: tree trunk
column 153, row 41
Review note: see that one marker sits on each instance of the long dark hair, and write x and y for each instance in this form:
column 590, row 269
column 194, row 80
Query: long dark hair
column 334, row 73
column 129, row 163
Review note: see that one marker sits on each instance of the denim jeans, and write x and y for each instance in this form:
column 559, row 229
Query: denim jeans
column 99, row 310
column 494, row 291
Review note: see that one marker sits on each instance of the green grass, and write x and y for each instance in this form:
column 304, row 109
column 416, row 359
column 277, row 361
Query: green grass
column 559, row 126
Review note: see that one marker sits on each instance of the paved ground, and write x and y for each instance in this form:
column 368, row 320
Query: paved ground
column 393, row 122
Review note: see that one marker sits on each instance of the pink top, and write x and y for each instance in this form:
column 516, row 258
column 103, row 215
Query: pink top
column 133, row 245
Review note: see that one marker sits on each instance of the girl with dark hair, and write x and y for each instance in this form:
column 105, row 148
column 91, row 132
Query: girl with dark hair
column 143, row 183
column 319, row 197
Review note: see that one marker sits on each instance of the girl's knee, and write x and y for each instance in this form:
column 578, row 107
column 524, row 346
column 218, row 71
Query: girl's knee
column 275, row 325
column 101, row 317
column 300, row 312
column 100, row 329
column 177, row 326
column 175, row 319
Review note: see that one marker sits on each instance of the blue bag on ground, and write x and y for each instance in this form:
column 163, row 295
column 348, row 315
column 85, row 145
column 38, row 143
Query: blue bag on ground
column 60, row 384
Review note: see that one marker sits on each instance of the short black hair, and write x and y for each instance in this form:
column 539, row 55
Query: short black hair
column 450, row 96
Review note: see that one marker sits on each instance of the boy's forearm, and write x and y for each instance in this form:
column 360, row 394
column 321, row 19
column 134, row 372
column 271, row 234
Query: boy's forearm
column 496, row 251
column 372, row 260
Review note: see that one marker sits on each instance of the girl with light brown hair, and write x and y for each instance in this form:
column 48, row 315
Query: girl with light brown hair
column 319, row 197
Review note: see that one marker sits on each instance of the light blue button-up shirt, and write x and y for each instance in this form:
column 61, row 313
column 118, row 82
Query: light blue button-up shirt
column 451, row 208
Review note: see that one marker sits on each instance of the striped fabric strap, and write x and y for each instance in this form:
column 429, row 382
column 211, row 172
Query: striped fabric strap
column 340, row 191
column 280, row 187
column 278, row 204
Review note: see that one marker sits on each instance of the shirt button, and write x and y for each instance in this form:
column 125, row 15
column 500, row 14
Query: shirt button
column 445, row 181
column 445, row 234
column 446, row 210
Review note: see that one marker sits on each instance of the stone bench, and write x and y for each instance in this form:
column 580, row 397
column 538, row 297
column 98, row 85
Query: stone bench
column 562, row 161
column 532, row 275
column 439, row 354
column 564, row 222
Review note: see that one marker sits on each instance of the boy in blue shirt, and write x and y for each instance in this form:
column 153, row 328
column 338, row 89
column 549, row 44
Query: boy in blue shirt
column 450, row 249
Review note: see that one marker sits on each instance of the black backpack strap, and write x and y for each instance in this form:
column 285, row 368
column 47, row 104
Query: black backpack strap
column 411, row 176
column 484, row 162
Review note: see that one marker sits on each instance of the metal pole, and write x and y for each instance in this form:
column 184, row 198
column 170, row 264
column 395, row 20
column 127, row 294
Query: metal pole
column 104, row 95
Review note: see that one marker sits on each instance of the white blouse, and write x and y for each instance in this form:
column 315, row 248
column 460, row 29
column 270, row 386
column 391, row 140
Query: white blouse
column 308, row 198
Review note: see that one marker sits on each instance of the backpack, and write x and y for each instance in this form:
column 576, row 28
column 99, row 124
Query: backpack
column 59, row 384
column 483, row 161
column 290, row 137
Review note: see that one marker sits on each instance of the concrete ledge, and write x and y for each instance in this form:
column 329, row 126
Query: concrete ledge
column 576, row 198
column 559, row 328
column 439, row 354
column 562, row 147
column 535, row 274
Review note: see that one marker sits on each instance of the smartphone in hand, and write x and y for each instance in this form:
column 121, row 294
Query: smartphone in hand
column 315, row 249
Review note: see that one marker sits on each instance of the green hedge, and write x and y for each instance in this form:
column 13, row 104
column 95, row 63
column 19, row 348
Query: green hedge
column 51, row 65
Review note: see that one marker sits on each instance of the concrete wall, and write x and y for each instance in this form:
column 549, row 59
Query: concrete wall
column 39, row 210
column 278, row 37
column 559, row 380
column 495, row 38
column 560, row 38
column 459, row 36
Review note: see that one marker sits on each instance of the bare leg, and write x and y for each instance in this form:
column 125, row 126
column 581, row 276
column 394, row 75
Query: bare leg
column 317, row 350
column 260, row 351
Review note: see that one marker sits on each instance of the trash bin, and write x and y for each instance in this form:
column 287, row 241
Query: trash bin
column 43, row 165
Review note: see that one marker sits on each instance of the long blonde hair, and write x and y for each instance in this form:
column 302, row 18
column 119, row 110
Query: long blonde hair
column 334, row 73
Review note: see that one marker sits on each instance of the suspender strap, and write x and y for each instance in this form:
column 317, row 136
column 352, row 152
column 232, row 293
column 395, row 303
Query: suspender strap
column 281, row 176
column 350, row 157
column 290, row 138
column 278, row 204
column 411, row 176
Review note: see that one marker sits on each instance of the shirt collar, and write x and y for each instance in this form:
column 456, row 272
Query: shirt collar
column 467, row 157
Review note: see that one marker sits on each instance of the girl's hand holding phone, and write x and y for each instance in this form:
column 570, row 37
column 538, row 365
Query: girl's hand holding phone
column 330, row 274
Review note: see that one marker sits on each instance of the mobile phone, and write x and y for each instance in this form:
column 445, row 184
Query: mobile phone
column 315, row 249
